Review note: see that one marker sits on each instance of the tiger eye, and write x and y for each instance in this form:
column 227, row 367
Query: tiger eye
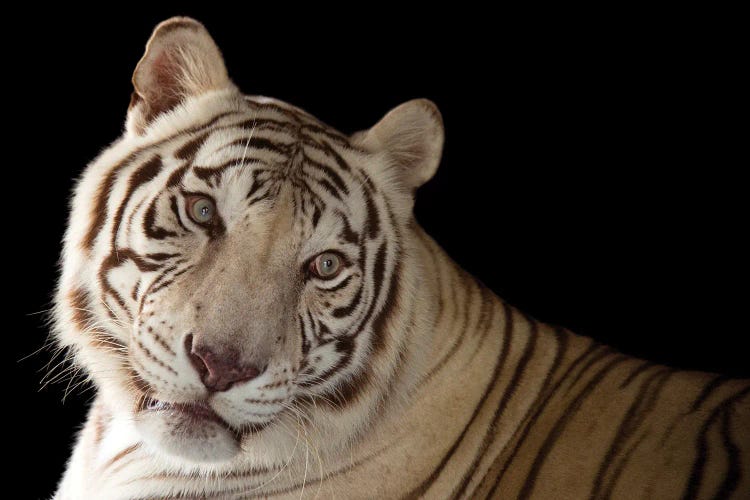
column 326, row 265
column 201, row 209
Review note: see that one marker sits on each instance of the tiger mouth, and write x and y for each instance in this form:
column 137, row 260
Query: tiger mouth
column 195, row 414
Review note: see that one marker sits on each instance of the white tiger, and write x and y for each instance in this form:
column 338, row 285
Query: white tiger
column 262, row 316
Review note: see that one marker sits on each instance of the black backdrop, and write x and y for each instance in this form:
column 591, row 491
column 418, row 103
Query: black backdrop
column 586, row 177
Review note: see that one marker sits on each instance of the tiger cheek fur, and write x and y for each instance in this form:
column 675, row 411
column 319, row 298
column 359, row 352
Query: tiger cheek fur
column 217, row 302
column 262, row 316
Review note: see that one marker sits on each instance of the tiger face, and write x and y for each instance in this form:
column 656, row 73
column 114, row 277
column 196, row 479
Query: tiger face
column 233, row 263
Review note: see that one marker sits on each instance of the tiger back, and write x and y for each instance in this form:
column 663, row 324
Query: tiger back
column 263, row 317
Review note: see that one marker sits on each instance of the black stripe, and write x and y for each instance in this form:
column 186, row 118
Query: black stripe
column 254, row 141
column 390, row 305
column 99, row 208
column 510, row 391
column 149, row 224
column 345, row 347
column 639, row 409
column 143, row 174
column 265, row 144
column 159, row 279
column 331, row 134
column 732, row 477
column 378, row 275
column 329, row 188
column 644, row 366
column 696, row 474
column 338, row 287
column 709, row 388
column 491, row 384
column 605, row 352
column 329, row 172
column 342, row 312
column 188, row 150
column 256, row 185
column 553, row 391
column 562, row 422
column 436, row 367
column 373, row 217
column 561, row 347
column 176, row 212
column 347, row 234
column 211, row 175
column 305, row 341
column 116, row 259
column 175, row 178
column 350, row 388
column 339, row 160
column 112, row 261
column 261, row 197
column 486, row 317
column 170, row 280
column 256, row 124
column 316, row 216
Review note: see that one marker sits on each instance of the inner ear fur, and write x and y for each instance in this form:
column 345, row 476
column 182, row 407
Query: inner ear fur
column 181, row 60
column 412, row 136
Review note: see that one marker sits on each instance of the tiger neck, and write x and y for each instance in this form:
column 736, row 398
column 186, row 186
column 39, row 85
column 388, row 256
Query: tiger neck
column 476, row 368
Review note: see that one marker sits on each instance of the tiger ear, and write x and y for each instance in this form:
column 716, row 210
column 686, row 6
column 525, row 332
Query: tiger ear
column 181, row 60
column 412, row 136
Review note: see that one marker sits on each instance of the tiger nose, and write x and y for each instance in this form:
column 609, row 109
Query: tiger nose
column 219, row 370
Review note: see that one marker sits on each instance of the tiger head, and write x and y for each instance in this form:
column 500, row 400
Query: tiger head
column 234, row 269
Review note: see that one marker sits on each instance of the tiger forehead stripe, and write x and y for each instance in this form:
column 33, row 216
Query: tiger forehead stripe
column 292, row 155
column 145, row 173
column 302, row 125
column 240, row 279
column 99, row 206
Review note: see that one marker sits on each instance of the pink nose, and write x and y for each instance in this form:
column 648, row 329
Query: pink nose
column 219, row 370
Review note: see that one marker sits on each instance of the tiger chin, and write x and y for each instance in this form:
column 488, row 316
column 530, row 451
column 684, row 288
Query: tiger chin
column 262, row 316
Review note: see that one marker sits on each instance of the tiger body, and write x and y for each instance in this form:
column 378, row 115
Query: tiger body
column 400, row 376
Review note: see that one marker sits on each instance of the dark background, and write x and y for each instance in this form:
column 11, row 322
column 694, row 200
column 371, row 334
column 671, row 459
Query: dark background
column 590, row 174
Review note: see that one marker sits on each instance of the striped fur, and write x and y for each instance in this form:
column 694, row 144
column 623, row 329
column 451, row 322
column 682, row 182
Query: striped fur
column 402, row 377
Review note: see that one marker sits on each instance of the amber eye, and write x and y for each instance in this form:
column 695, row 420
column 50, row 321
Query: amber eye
column 201, row 209
column 326, row 265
